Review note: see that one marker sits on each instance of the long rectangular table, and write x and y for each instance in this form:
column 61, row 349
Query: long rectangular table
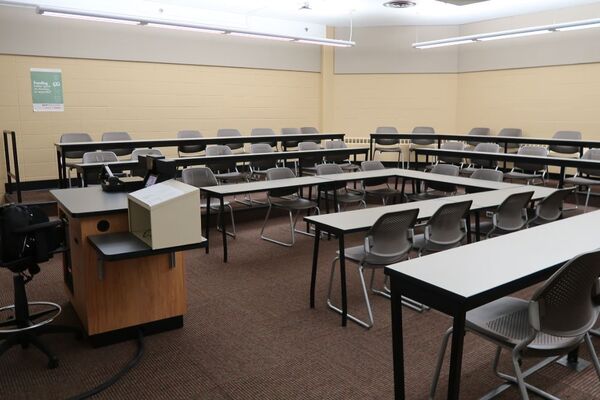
column 86, row 169
column 348, row 222
column 562, row 162
column 505, row 140
column 458, row 280
column 62, row 148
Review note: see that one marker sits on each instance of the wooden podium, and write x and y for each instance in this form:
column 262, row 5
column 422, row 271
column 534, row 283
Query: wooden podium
column 113, row 299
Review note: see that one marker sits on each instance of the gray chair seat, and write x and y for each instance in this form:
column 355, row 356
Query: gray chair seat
column 214, row 205
column 506, row 321
column 486, row 226
column 521, row 175
column 230, row 176
column 383, row 191
column 581, row 181
column 386, row 149
column 350, row 197
column 357, row 254
column 419, row 243
column 295, row 203
column 426, row 195
column 349, row 167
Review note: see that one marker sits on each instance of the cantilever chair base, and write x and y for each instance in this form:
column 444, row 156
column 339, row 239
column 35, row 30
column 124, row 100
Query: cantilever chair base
column 293, row 230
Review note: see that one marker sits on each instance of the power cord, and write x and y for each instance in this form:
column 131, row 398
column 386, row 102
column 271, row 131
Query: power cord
column 114, row 379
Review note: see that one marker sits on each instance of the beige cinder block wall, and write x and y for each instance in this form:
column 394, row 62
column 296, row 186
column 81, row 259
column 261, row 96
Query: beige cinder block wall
column 148, row 100
column 539, row 100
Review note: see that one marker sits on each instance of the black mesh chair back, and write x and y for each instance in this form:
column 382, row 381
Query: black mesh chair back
column 551, row 207
column 264, row 132
column 262, row 164
column 75, row 138
column 488, row 175
column 199, row 177
column 309, row 161
column 310, row 130
column 446, row 226
column 336, row 144
column 290, row 131
column 444, row 169
column 190, row 148
column 511, row 132
column 477, row 132
column 220, row 166
column 423, row 129
column 570, row 135
column 511, row 214
column 567, row 304
column 281, row 173
column 386, row 129
column 531, row 151
column 145, row 152
column 373, row 165
column 485, row 148
column 591, row 154
column 389, row 236
column 452, row 145
column 231, row 133
column 117, row 136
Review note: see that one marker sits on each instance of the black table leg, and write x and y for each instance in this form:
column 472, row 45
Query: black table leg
column 207, row 228
column 335, row 202
column 402, row 190
column 313, row 276
column 561, row 178
column 505, row 152
column 458, row 335
column 58, row 164
column 63, row 164
column 469, row 227
column 397, row 342
column 223, row 227
column 477, row 227
column 343, row 279
column 370, row 149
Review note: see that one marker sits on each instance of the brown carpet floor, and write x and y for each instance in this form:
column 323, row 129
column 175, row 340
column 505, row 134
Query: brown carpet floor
column 250, row 334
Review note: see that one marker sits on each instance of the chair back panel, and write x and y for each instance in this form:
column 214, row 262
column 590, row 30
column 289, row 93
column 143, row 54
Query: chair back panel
column 264, row 132
column 453, row 145
column 336, row 144
column 444, row 169
column 567, row 304
column 190, row 148
column 445, row 225
column 228, row 132
column 488, row 175
column 591, row 154
column 510, row 215
column 263, row 164
column 75, row 138
column 571, row 135
column 389, row 235
column 309, row 130
column 117, row 136
column 281, row 173
column 551, row 207
column 99, row 157
column 485, row 148
column 309, row 161
column 199, row 177
column 373, row 165
column 531, row 151
column 423, row 129
column 386, row 129
column 477, row 132
column 290, row 131
column 145, row 152
column 329, row 169
column 220, row 166
column 511, row 132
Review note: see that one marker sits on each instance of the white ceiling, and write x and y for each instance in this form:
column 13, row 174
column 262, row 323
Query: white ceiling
column 322, row 12
column 372, row 13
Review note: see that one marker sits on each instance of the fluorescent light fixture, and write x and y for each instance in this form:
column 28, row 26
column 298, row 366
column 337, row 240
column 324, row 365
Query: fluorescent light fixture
column 431, row 46
column 89, row 17
column 578, row 27
column 514, row 35
column 259, row 36
column 510, row 34
column 324, row 42
column 184, row 28
column 126, row 19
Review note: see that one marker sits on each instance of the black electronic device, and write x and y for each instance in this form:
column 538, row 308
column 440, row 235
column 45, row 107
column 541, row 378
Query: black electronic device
column 118, row 182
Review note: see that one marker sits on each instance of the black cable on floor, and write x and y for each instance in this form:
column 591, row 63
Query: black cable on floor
column 130, row 365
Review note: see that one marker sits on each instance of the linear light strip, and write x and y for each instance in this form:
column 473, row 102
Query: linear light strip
column 509, row 34
column 130, row 20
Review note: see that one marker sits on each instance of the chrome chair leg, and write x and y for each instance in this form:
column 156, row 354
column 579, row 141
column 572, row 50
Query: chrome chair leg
column 219, row 216
column 593, row 355
column 339, row 310
column 386, row 292
column 439, row 363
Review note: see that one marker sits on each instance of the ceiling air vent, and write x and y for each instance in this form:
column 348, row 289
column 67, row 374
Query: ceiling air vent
column 399, row 4
column 462, row 2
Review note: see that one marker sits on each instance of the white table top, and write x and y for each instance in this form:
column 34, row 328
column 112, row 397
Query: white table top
column 475, row 268
column 358, row 220
column 260, row 186
column 457, row 180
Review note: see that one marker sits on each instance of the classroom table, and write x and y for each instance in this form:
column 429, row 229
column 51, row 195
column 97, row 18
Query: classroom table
column 439, row 137
column 85, row 169
column 461, row 279
column 562, row 162
column 348, row 222
column 221, row 191
column 62, row 148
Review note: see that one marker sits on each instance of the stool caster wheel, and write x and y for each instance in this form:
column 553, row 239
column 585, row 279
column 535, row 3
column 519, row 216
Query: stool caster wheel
column 53, row 363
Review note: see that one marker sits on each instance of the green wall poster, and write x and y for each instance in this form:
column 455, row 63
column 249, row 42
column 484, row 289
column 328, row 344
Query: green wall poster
column 46, row 89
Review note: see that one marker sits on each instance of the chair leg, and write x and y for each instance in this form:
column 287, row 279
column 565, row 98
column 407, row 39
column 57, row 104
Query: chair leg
column 519, row 376
column 587, row 199
column 593, row 355
column 439, row 363
column 339, row 310
column 219, row 216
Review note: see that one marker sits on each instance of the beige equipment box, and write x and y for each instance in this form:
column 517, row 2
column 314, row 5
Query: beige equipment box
column 166, row 214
